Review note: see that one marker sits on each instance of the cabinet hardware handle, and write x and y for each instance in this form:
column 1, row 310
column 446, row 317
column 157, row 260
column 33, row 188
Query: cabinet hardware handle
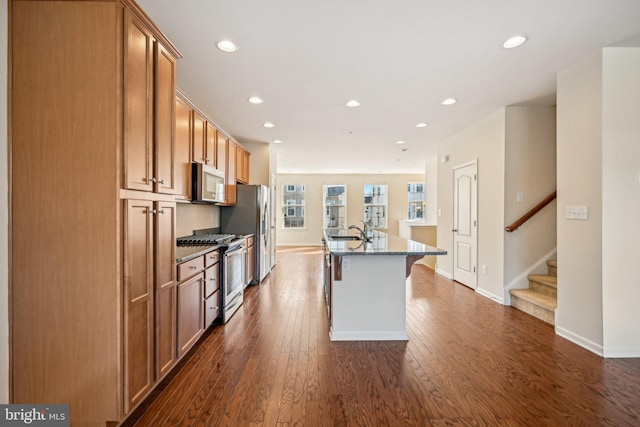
column 455, row 230
column 161, row 181
column 193, row 267
column 152, row 180
column 152, row 212
column 161, row 211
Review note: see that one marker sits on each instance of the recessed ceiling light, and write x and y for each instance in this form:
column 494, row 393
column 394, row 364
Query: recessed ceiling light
column 421, row 125
column 269, row 125
column 227, row 46
column 401, row 142
column 255, row 100
column 514, row 41
column 277, row 141
column 449, row 101
column 353, row 103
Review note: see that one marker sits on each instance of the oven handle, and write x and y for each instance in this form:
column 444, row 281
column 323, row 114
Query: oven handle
column 235, row 250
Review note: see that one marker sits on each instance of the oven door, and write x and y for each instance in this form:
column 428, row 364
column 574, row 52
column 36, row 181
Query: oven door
column 233, row 273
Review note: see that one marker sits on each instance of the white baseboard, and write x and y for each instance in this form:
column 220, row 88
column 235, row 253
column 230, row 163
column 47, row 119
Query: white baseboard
column 579, row 340
column 521, row 281
column 489, row 295
column 622, row 353
column 444, row 273
column 369, row 336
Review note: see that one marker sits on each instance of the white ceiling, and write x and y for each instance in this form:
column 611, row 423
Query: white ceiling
column 399, row 58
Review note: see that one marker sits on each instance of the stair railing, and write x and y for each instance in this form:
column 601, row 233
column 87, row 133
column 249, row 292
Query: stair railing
column 537, row 208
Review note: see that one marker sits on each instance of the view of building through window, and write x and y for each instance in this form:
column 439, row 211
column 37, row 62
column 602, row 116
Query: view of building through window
column 293, row 205
column 417, row 200
column 375, row 205
column 334, row 206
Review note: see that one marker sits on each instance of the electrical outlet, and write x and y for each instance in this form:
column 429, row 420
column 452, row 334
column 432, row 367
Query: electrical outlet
column 577, row 212
column 484, row 269
column 346, row 263
column 519, row 197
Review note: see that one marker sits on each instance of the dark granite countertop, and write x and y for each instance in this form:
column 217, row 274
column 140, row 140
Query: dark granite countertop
column 381, row 244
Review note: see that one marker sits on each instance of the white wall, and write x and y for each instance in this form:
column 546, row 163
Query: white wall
column 484, row 141
column 620, row 201
column 431, row 188
column 4, row 214
column 530, row 169
column 195, row 216
column 579, row 175
column 312, row 233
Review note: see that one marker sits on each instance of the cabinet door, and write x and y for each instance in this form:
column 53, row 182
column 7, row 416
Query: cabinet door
column 165, row 285
column 211, row 149
column 190, row 307
column 230, row 188
column 250, row 263
column 138, row 104
column 164, row 121
column 183, row 150
column 199, row 138
column 222, row 147
column 138, row 301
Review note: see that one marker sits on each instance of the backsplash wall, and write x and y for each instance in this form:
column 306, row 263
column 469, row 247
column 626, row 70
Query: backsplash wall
column 191, row 217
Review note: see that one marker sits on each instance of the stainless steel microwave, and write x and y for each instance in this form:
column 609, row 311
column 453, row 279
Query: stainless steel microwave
column 207, row 184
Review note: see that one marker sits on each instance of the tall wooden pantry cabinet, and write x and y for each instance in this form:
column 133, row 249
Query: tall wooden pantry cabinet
column 92, row 211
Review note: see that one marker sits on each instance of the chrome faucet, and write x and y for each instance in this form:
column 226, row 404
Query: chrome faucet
column 363, row 232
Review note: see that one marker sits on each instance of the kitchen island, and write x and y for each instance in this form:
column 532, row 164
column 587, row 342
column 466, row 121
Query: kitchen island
column 365, row 284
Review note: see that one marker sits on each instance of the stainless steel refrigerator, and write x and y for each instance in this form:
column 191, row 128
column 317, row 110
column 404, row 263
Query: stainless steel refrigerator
column 251, row 215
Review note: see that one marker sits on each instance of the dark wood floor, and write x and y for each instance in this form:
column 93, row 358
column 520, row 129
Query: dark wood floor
column 469, row 361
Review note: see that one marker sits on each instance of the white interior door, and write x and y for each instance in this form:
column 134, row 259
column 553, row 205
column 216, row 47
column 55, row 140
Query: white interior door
column 465, row 224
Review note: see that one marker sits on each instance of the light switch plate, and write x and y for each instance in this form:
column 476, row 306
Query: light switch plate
column 577, row 212
column 519, row 197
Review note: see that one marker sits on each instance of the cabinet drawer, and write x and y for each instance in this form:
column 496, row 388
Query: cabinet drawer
column 211, row 309
column 249, row 241
column 190, row 268
column 211, row 258
column 211, row 280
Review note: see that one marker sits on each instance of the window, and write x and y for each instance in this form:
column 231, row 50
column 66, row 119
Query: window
column 293, row 205
column 334, row 206
column 375, row 205
column 417, row 200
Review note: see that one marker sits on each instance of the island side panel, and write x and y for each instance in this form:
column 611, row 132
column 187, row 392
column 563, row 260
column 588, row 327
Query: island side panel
column 369, row 303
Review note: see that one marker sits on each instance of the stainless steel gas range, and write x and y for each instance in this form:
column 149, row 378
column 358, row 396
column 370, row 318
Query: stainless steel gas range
column 231, row 267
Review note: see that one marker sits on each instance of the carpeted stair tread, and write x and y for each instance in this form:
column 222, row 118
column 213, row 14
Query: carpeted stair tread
column 545, row 301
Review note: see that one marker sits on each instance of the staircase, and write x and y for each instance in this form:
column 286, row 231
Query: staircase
column 541, row 299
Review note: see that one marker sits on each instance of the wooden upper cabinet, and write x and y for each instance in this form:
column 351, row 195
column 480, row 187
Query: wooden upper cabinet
column 242, row 165
column 199, row 138
column 183, row 150
column 211, row 147
column 230, row 187
column 138, row 104
column 222, row 148
column 149, row 110
column 164, row 121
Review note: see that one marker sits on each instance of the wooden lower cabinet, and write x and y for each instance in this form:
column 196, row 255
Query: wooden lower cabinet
column 250, row 261
column 138, row 301
column 190, row 307
column 150, row 300
column 165, row 288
